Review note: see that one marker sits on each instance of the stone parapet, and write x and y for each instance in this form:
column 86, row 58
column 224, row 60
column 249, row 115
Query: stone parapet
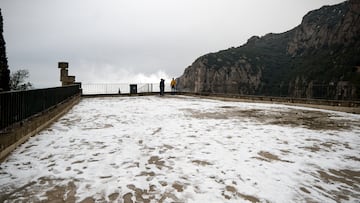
column 18, row 134
column 334, row 105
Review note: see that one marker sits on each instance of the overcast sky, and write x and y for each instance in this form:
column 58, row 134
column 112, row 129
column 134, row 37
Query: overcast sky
column 120, row 41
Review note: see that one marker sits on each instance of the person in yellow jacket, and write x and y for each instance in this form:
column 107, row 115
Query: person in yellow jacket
column 173, row 85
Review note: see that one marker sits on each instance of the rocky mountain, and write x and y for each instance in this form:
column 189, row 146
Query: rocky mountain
column 320, row 58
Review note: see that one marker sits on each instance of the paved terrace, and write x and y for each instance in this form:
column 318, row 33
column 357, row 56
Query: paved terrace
column 186, row 149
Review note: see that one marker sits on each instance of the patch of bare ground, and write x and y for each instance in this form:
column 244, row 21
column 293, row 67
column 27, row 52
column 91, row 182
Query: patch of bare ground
column 313, row 148
column 61, row 193
column 78, row 162
column 112, row 197
column 314, row 120
column 153, row 194
column 54, row 191
column 158, row 162
column 353, row 158
column 231, row 192
column 267, row 156
column 338, row 195
column 170, row 196
column 16, row 193
column 327, row 146
column 201, row 163
column 69, row 122
column 350, row 178
column 146, row 195
column 127, row 198
column 165, row 148
column 88, row 200
column 105, row 177
column 141, row 195
column 144, row 173
column 305, row 190
column 285, row 151
column 178, row 186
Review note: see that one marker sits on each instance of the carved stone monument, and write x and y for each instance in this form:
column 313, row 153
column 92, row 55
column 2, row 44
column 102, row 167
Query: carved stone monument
column 64, row 74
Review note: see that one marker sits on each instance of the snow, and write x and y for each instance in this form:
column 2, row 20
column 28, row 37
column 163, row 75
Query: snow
column 187, row 149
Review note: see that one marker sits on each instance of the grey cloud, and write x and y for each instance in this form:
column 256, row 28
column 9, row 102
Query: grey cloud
column 135, row 36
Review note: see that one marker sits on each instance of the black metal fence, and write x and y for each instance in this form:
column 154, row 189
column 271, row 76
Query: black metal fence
column 16, row 106
column 120, row 88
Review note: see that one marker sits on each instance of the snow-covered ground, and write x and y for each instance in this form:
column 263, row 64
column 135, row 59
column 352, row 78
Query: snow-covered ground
column 186, row 149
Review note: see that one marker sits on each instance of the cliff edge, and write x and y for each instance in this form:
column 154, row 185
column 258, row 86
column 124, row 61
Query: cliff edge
column 317, row 59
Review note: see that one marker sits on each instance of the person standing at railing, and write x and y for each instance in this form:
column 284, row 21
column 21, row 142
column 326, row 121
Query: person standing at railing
column 162, row 87
column 173, row 85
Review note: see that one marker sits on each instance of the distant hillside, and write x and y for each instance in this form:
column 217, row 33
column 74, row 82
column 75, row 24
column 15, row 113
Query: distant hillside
column 320, row 58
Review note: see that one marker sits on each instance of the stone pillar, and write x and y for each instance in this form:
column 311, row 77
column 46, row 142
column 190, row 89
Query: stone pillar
column 64, row 77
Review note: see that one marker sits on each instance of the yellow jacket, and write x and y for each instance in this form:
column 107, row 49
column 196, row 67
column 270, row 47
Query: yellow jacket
column 173, row 83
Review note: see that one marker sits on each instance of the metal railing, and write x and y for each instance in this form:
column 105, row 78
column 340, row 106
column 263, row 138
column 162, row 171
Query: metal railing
column 120, row 88
column 16, row 106
column 313, row 91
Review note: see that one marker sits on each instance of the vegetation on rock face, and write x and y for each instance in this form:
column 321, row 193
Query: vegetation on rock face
column 4, row 68
column 323, row 51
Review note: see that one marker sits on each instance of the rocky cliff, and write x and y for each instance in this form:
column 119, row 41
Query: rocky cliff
column 317, row 59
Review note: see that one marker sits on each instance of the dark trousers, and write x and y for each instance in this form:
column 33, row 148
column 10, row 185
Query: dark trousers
column 161, row 90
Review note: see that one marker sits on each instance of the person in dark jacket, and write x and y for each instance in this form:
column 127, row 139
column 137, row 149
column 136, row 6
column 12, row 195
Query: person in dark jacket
column 162, row 87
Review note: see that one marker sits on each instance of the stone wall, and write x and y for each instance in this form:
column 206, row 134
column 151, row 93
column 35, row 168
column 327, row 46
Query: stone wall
column 333, row 105
column 21, row 132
